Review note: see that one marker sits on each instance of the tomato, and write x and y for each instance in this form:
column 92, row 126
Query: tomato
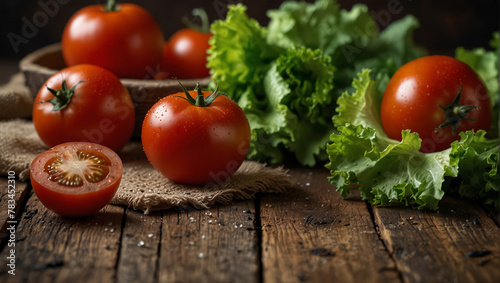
column 185, row 55
column 185, row 52
column 84, row 103
column 76, row 179
column 123, row 38
column 437, row 97
column 194, row 144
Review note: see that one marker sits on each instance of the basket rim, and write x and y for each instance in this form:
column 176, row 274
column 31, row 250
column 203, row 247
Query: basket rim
column 27, row 64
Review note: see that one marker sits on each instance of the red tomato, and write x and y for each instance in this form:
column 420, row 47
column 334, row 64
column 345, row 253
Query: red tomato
column 419, row 92
column 185, row 55
column 126, row 40
column 76, row 179
column 99, row 108
column 192, row 144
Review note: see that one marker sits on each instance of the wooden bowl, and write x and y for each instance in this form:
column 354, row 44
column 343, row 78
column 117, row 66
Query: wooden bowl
column 40, row 65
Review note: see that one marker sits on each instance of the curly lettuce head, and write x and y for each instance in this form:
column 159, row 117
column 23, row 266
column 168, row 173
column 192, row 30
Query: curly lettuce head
column 287, row 76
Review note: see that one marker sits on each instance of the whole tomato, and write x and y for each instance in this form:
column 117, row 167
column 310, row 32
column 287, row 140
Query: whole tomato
column 196, row 141
column 437, row 97
column 185, row 55
column 123, row 38
column 185, row 52
column 84, row 103
column 76, row 179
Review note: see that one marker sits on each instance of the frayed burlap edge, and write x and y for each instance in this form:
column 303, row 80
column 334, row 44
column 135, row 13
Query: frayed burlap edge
column 143, row 188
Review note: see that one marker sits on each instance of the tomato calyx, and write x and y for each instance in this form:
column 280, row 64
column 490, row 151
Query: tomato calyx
column 200, row 100
column 62, row 97
column 205, row 25
column 111, row 6
column 455, row 112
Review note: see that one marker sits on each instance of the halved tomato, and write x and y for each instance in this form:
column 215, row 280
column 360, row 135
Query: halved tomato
column 76, row 179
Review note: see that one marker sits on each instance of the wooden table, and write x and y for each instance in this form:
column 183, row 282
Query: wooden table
column 309, row 234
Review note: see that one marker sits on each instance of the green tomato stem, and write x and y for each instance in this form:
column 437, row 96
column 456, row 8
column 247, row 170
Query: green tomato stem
column 455, row 112
column 201, row 100
column 111, row 6
column 62, row 97
column 205, row 24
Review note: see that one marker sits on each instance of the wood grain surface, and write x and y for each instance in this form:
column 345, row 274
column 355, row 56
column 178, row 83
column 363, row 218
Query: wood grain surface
column 308, row 234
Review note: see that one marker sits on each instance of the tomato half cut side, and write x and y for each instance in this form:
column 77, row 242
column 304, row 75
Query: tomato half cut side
column 76, row 179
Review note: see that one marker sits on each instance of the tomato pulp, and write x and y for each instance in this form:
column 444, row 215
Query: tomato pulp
column 76, row 179
column 419, row 91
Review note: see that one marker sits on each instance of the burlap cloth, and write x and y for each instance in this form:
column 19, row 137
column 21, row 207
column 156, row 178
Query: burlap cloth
column 142, row 187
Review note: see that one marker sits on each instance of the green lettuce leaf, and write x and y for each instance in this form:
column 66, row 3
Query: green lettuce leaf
column 320, row 25
column 351, row 38
column 362, row 107
column 239, row 55
column 477, row 158
column 294, row 110
column 485, row 63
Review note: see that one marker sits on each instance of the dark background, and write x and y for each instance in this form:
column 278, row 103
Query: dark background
column 444, row 24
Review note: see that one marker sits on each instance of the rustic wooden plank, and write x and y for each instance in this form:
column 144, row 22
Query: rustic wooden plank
column 14, row 195
column 214, row 245
column 492, row 213
column 310, row 234
column 434, row 246
column 50, row 248
column 139, row 251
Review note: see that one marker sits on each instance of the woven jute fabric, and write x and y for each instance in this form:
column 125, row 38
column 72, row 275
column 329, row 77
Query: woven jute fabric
column 15, row 98
column 142, row 187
